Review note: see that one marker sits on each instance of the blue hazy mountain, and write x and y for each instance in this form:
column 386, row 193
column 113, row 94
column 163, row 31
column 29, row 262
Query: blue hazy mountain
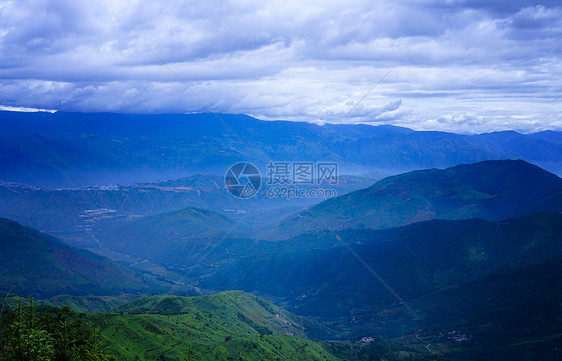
column 549, row 135
column 71, row 213
column 78, row 149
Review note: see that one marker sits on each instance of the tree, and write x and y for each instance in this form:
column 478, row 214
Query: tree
column 25, row 341
column 49, row 336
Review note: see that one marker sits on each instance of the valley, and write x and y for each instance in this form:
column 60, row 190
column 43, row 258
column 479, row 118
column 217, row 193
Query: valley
column 451, row 262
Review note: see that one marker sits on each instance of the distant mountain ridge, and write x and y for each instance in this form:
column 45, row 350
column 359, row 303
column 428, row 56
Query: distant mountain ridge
column 70, row 213
column 79, row 149
column 491, row 190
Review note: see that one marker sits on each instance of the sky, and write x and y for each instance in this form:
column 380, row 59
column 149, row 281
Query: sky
column 465, row 66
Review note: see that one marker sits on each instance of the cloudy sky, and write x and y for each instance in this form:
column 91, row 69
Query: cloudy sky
column 459, row 65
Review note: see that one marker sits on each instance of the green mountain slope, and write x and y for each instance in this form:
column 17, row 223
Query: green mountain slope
column 509, row 315
column 227, row 326
column 469, row 289
column 491, row 190
column 32, row 262
column 230, row 325
column 336, row 274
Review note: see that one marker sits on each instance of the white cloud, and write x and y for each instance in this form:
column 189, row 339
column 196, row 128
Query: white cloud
column 475, row 66
column 25, row 110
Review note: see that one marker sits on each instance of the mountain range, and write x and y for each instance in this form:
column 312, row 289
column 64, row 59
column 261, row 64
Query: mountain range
column 458, row 283
column 336, row 273
column 437, row 246
column 197, row 238
column 82, row 149
column 490, row 190
column 468, row 289
column 71, row 213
